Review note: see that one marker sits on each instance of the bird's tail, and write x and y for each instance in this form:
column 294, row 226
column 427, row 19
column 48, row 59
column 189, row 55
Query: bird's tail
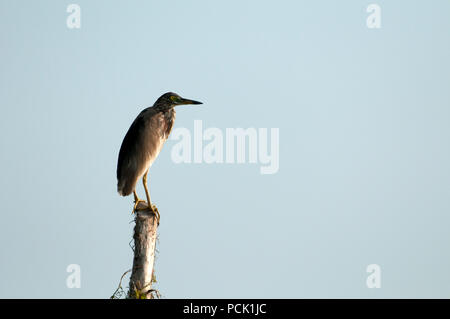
column 124, row 188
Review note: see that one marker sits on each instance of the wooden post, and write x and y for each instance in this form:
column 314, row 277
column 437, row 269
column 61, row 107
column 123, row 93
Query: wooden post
column 144, row 255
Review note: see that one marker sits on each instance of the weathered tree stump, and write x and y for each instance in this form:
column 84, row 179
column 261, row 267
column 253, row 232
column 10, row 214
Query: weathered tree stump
column 144, row 254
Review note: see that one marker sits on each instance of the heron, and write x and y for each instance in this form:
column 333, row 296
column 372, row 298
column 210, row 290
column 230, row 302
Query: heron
column 142, row 144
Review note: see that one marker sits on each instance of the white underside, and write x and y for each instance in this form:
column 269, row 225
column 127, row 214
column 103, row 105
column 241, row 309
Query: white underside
column 152, row 157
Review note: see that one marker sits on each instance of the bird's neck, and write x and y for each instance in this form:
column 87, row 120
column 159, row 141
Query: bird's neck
column 169, row 119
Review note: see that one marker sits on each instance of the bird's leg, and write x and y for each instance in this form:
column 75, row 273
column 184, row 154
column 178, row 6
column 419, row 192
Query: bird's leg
column 150, row 206
column 136, row 201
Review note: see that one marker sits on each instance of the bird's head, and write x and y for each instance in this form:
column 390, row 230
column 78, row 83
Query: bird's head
column 170, row 100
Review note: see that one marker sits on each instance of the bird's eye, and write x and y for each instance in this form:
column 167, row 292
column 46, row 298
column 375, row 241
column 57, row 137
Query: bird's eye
column 174, row 98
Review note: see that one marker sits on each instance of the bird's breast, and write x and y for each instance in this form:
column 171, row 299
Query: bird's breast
column 157, row 132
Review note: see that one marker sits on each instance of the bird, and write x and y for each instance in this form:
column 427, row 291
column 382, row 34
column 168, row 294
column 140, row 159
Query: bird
column 142, row 144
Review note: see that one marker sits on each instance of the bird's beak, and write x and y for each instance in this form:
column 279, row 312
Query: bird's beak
column 187, row 101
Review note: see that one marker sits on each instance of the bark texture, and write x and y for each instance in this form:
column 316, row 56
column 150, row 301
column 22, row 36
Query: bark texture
column 144, row 255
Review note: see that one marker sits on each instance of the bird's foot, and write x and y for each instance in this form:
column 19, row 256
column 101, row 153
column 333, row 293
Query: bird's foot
column 138, row 207
column 155, row 211
column 141, row 205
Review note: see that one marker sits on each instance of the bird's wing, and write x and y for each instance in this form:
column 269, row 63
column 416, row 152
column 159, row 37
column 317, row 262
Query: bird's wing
column 126, row 166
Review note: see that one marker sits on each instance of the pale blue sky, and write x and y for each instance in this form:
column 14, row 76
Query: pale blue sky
column 364, row 171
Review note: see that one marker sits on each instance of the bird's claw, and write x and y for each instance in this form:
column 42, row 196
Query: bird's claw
column 145, row 206
column 136, row 204
column 155, row 211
